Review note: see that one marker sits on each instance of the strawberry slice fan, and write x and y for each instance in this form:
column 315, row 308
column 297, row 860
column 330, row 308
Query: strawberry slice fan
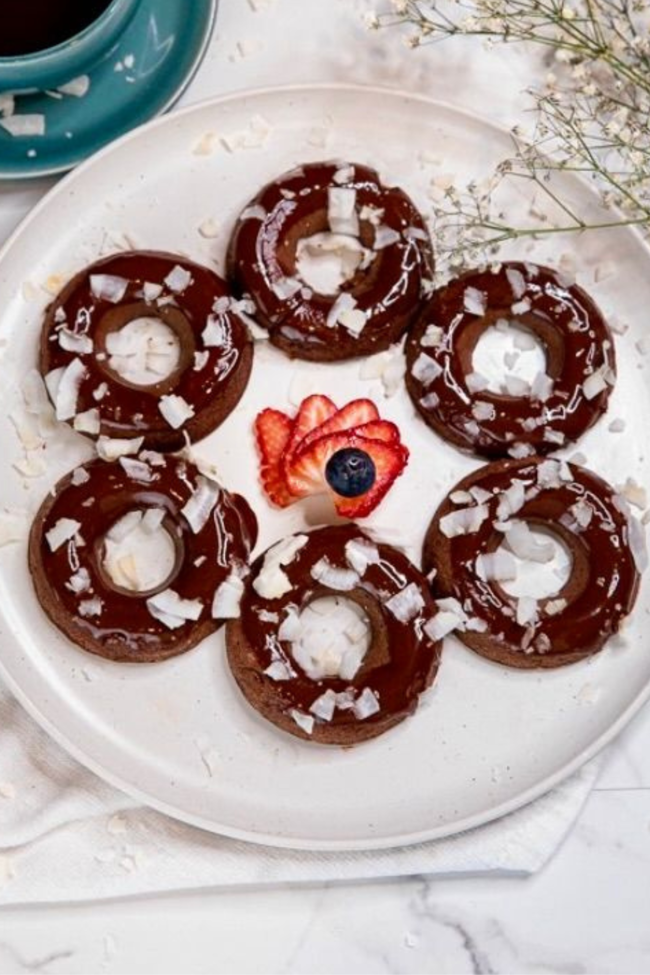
column 350, row 453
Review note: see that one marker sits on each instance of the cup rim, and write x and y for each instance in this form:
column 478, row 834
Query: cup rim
column 45, row 53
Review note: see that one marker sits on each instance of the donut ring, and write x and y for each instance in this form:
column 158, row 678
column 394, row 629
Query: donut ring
column 574, row 504
column 576, row 339
column 216, row 352
column 382, row 296
column 401, row 661
column 74, row 587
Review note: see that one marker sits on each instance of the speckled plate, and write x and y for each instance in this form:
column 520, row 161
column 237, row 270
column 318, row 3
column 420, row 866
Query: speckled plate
column 179, row 735
column 150, row 68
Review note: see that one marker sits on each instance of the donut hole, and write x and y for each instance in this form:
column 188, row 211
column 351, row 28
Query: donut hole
column 508, row 355
column 545, row 570
column 138, row 554
column 326, row 261
column 329, row 637
column 144, row 352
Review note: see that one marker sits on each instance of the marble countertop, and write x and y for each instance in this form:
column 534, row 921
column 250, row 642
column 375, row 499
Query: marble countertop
column 587, row 911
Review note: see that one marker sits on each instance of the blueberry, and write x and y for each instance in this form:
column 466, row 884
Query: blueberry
column 350, row 472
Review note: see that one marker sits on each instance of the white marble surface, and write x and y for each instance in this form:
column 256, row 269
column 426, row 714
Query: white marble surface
column 587, row 911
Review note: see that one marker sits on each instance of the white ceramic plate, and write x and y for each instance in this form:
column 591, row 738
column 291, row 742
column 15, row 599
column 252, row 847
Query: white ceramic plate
column 178, row 734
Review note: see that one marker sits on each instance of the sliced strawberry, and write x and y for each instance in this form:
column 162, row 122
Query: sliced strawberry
column 306, row 474
column 312, row 413
column 379, row 430
column 273, row 429
column 354, row 414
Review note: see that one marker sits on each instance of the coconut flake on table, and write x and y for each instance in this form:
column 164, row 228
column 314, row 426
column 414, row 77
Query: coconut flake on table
column 108, row 287
column 475, row 382
column 14, row 525
column 208, row 228
column 637, row 542
column 361, row 553
column 524, row 545
column 254, row 136
column 464, row 521
column 425, row 369
column 634, row 493
column 512, row 499
column 304, row 721
column 406, row 604
column 175, row 410
column 385, row 237
column 91, row 607
column 63, row 385
column 77, row 87
column 87, row 422
column 271, row 581
column 111, row 448
column 617, row 425
column 200, row 505
column 27, row 429
column 333, row 577
column 62, row 532
column 172, row 610
column 526, row 610
column 388, row 366
column 341, row 211
column 498, row 566
column 21, row 126
column 474, row 301
column 227, row 598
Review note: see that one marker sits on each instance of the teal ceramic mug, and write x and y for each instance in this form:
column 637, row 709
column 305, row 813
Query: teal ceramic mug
column 73, row 57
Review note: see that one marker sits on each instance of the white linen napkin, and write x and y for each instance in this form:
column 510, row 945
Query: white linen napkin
column 65, row 835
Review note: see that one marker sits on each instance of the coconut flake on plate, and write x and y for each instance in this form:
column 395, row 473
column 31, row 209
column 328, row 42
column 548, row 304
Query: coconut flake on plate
column 200, row 505
column 77, row 87
column 634, row 493
column 425, row 369
column 14, row 525
column 366, row 704
column 405, row 604
column 172, row 610
column 62, row 532
column 361, row 553
column 498, row 566
column 617, row 425
column 87, row 422
column 464, row 521
column 227, row 598
column 272, row 582
column 108, row 287
column 254, row 136
column 475, row 382
column 474, row 301
column 304, row 721
column 341, row 210
column 175, row 410
column 111, row 448
column 333, row 577
column 21, row 126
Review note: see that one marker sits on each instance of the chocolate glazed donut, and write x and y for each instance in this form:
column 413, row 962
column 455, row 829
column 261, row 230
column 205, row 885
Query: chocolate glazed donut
column 215, row 349
column 376, row 304
column 563, row 402
column 212, row 530
column 361, row 697
column 605, row 542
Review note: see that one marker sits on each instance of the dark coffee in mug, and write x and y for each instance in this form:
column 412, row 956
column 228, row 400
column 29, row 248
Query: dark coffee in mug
column 28, row 26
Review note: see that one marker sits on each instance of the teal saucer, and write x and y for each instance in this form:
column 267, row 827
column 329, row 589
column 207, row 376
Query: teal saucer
column 143, row 76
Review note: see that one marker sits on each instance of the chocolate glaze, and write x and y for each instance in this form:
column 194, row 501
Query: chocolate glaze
column 574, row 333
column 401, row 661
column 263, row 252
column 125, row 629
column 600, row 591
column 128, row 410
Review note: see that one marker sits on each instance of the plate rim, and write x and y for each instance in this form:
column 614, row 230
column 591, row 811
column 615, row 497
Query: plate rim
column 257, row 837
column 176, row 95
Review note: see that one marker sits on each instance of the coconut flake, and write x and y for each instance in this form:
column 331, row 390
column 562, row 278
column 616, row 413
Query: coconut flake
column 597, row 382
column 14, row 525
column 111, row 448
column 79, row 581
column 78, row 87
column 425, row 369
column 344, row 304
column 554, row 606
column 617, row 425
column 406, row 604
column 91, row 607
column 285, row 288
column 227, row 598
column 75, row 342
column 482, row 411
column 353, row 320
column 175, row 410
column 524, row 545
column 475, row 382
column 67, row 388
column 516, row 386
column 341, row 210
column 137, row 470
column 366, row 704
column 516, row 281
column 271, row 582
column 432, row 337
column 87, row 422
column 512, row 499
column 499, row 566
column 178, row 279
column 360, row 554
column 254, row 212
column 634, row 493
column 385, row 237
column 526, row 610
column 333, row 577
column 474, row 301
column 279, row 670
column 464, row 521
column 324, row 706
column 21, row 126
column 62, row 532
column 199, row 507
column 108, row 287
column 304, row 721
column 172, row 610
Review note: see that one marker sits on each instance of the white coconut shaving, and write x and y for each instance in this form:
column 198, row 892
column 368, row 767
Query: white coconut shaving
column 75, row 342
column 341, row 210
column 344, row 304
column 91, row 607
column 200, row 505
column 66, row 390
column 111, row 448
column 333, row 577
column 498, row 566
column 172, row 610
column 361, row 553
column 482, row 411
column 464, row 521
column 406, row 604
column 635, row 493
column 62, row 532
column 512, row 499
column 108, row 287
column 324, row 706
column 474, row 301
column 176, row 410
column 523, row 543
column 385, row 237
column 272, row 582
column 87, row 422
column 14, row 525
column 304, row 721
column 178, row 279
column 137, row 470
column 516, row 281
column 366, row 704
column 22, row 126
column 227, row 598
column 527, row 610
column 425, row 369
